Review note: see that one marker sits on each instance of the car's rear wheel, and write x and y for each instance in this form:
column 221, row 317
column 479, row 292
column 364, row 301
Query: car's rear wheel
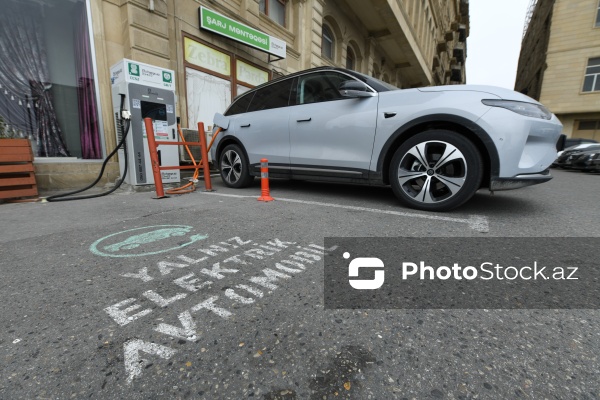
column 436, row 171
column 234, row 167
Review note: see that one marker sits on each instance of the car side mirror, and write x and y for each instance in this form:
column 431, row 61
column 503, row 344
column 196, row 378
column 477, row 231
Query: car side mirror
column 355, row 89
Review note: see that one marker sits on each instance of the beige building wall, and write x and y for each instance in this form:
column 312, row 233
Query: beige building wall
column 408, row 43
column 573, row 40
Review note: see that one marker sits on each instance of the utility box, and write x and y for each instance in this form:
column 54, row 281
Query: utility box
column 149, row 92
column 191, row 135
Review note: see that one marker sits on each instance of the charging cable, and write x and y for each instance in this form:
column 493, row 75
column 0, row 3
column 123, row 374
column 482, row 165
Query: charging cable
column 124, row 115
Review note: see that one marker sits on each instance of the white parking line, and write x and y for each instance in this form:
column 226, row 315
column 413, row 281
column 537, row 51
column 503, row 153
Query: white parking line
column 478, row 223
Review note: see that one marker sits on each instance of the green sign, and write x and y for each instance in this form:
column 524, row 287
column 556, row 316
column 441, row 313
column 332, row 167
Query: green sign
column 232, row 29
column 167, row 77
column 134, row 69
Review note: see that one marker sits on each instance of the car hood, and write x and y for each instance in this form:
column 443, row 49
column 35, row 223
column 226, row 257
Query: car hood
column 502, row 93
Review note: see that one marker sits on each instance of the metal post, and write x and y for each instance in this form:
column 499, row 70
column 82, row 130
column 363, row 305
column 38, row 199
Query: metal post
column 158, row 184
column 204, row 155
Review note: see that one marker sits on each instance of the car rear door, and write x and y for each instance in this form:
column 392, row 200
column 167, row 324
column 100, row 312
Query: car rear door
column 330, row 134
column 264, row 129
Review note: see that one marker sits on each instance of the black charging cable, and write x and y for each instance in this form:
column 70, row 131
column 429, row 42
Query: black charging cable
column 125, row 129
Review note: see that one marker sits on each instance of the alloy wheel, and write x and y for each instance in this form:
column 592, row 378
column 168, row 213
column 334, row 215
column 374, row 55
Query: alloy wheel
column 231, row 166
column 432, row 171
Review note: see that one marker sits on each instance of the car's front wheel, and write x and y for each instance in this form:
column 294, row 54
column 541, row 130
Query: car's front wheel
column 234, row 167
column 436, row 171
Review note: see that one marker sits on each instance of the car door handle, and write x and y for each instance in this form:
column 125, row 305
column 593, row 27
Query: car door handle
column 389, row 114
column 245, row 126
column 304, row 119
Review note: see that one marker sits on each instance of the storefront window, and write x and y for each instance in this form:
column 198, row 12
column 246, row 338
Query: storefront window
column 213, row 78
column 47, row 77
column 251, row 75
column 206, row 57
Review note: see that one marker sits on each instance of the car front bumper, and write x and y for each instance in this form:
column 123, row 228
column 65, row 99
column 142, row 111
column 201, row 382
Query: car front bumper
column 525, row 145
column 519, row 181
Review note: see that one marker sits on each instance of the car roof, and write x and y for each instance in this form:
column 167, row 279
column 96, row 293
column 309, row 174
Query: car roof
column 581, row 140
column 591, row 150
column 582, row 146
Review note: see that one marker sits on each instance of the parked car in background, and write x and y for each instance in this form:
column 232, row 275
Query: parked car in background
column 587, row 161
column 566, row 158
column 570, row 142
column 435, row 146
column 575, row 147
column 564, row 142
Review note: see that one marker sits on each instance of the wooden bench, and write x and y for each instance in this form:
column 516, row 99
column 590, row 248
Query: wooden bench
column 17, row 177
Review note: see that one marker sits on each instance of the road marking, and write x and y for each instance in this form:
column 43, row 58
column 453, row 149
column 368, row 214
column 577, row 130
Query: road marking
column 478, row 223
column 153, row 235
column 238, row 291
column 133, row 361
column 186, row 332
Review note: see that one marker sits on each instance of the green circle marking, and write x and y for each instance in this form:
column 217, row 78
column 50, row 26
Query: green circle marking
column 193, row 238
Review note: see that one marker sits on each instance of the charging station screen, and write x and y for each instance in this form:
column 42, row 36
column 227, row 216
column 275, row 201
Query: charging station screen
column 158, row 113
column 154, row 110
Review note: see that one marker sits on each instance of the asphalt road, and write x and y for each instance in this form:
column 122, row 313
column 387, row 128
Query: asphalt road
column 219, row 296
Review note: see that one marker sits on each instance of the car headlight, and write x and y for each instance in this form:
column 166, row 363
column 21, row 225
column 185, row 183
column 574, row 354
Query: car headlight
column 520, row 107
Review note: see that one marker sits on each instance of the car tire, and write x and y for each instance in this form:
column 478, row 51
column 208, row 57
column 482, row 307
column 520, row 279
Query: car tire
column 234, row 167
column 436, row 170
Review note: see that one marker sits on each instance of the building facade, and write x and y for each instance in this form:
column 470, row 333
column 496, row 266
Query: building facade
column 65, row 101
column 559, row 63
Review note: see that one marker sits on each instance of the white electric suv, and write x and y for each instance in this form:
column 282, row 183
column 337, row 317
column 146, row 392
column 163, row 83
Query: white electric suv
column 435, row 146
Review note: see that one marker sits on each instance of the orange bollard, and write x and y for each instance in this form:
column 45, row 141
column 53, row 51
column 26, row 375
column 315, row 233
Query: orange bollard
column 158, row 184
column 204, row 161
column 264, row 181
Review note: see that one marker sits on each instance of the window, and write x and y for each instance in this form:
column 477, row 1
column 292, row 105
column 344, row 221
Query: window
column 588, row 125
column 591, row 83
column 598, row 16
column 213, row 78
column 587, row 131
column 327, row 41
column 316, row 88
column 272, row 96
column 275, row 9
column 240, row 105
column 350, row 59
column 48, row 79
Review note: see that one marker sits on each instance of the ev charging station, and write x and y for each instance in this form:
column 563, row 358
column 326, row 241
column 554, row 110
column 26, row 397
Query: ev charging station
column 149, row 92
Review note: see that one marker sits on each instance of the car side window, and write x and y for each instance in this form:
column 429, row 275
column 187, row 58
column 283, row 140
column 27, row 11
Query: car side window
column 240, row 105
column 319, row 87
column 272, row 96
